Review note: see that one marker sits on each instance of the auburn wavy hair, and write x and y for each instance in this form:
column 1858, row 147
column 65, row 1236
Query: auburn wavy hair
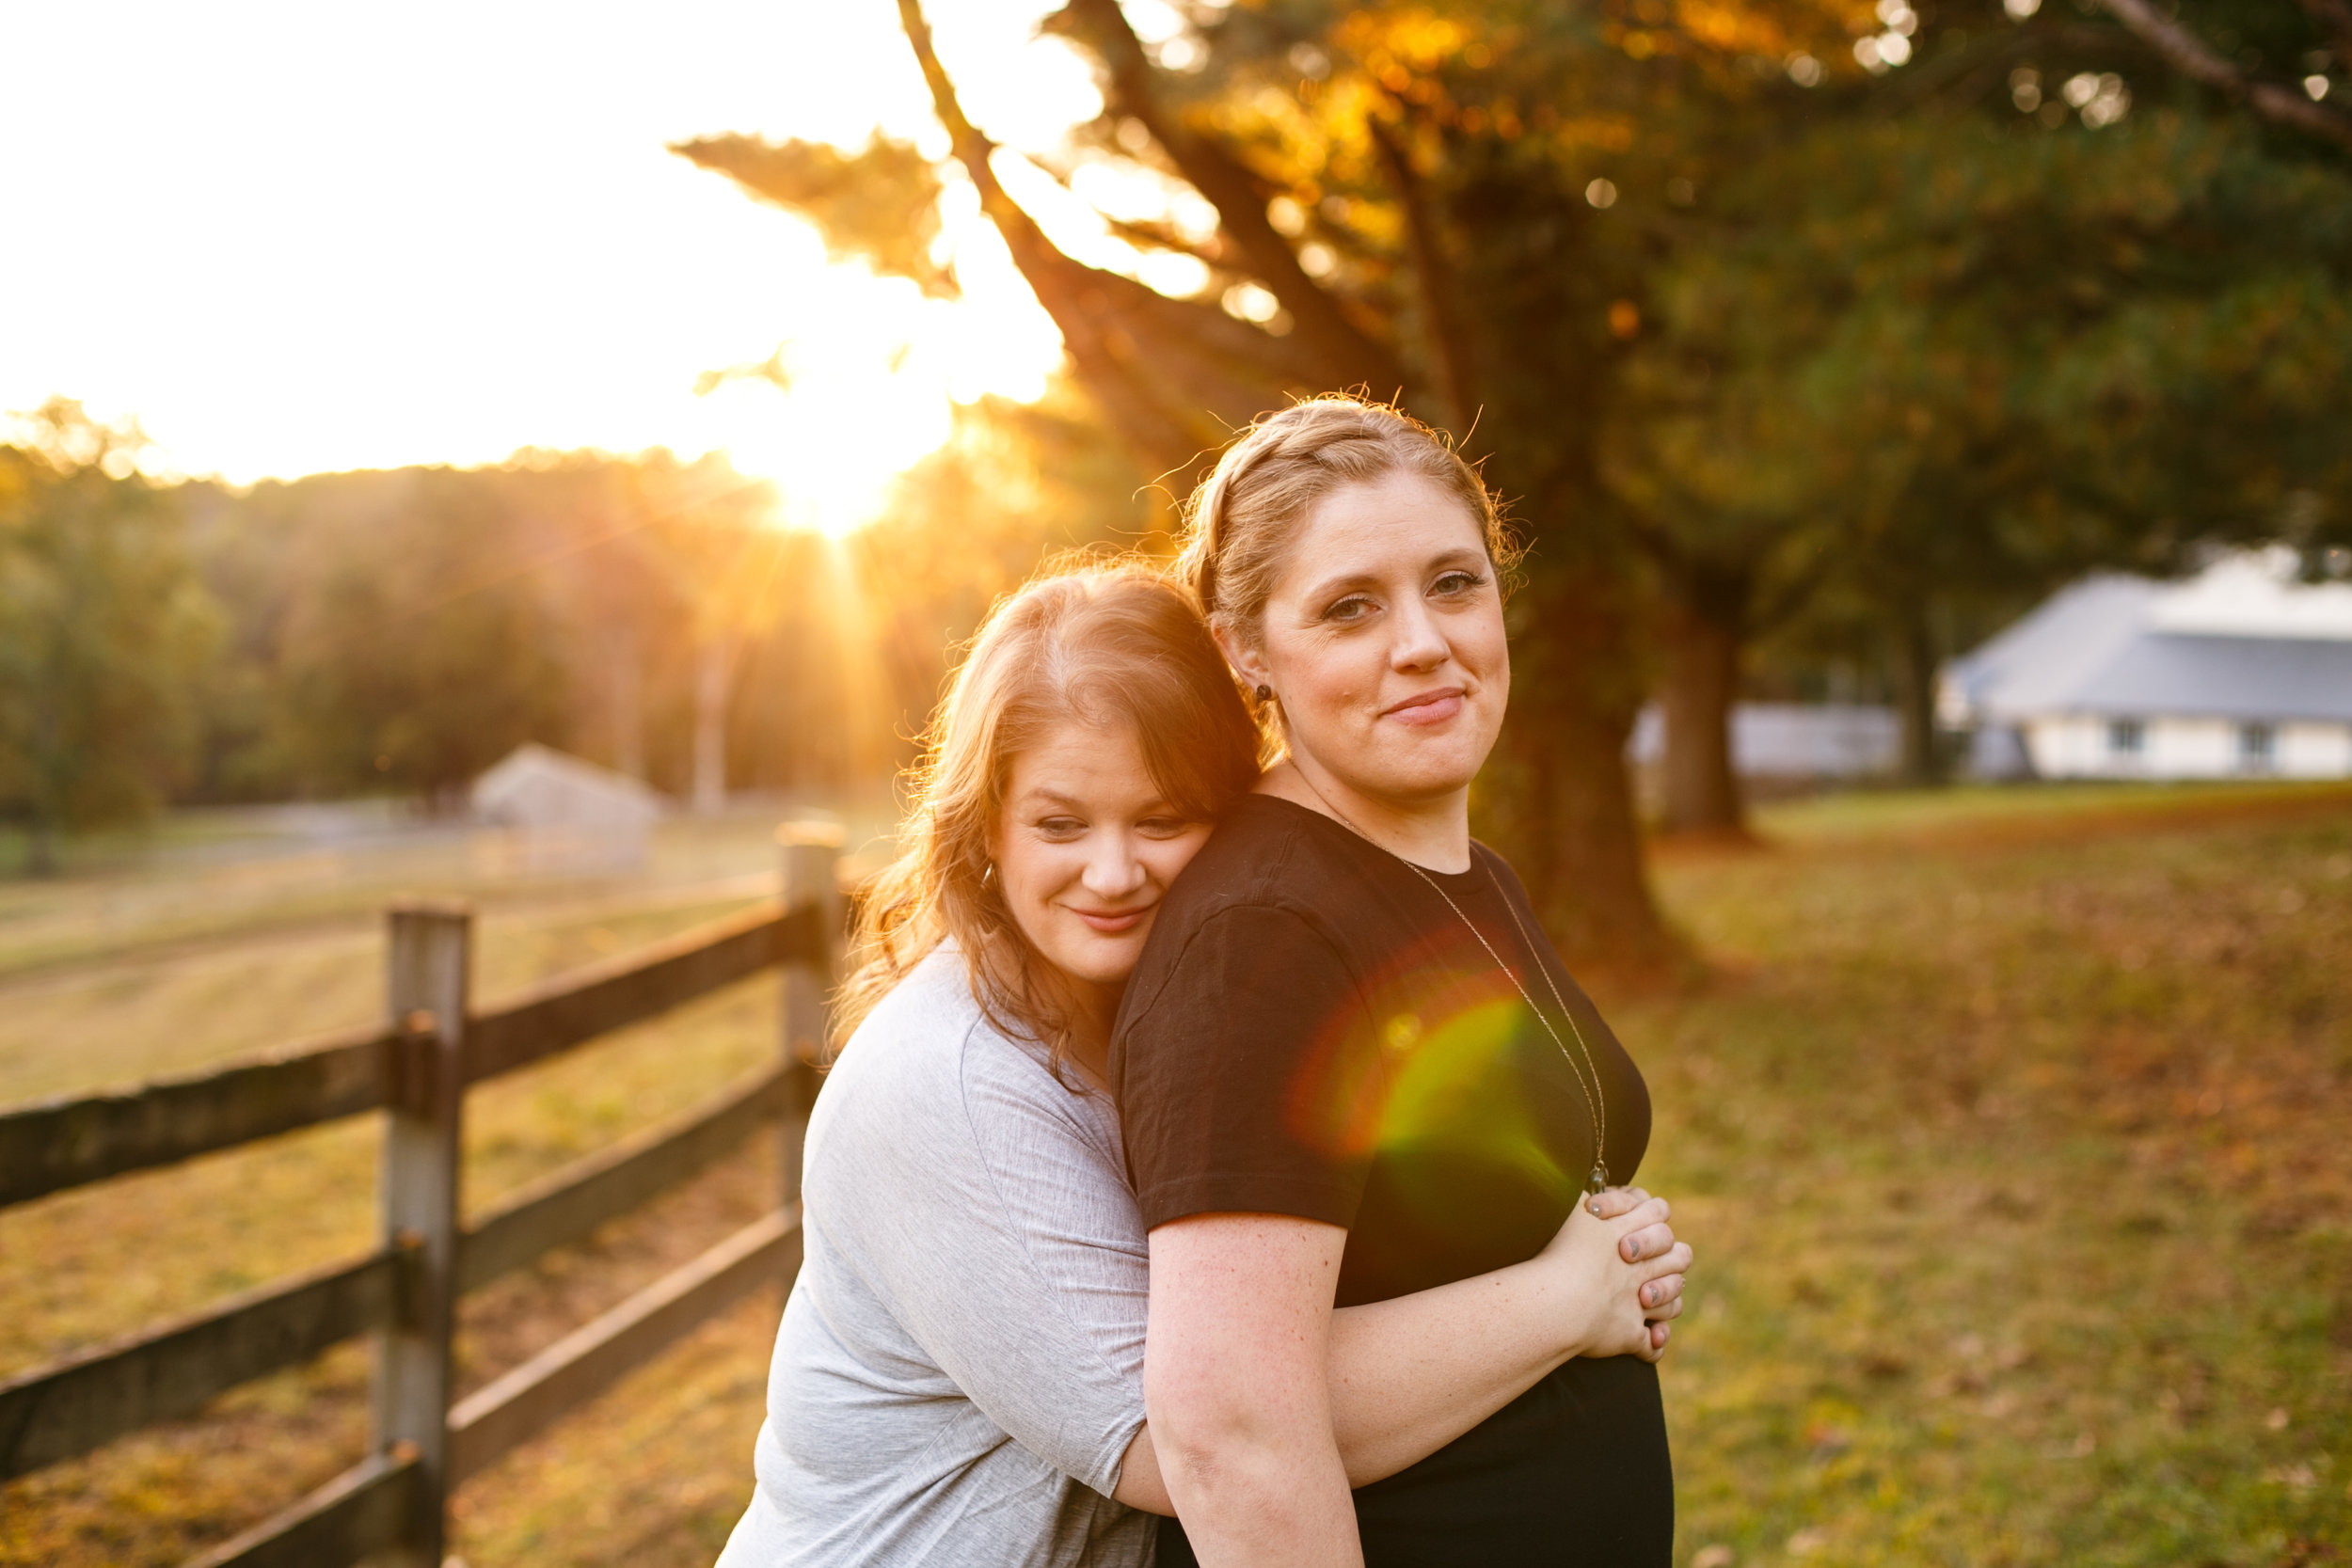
column 1110, row 645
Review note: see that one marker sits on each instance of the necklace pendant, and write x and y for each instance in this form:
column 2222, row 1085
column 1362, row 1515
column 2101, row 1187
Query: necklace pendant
column 1598, row 1181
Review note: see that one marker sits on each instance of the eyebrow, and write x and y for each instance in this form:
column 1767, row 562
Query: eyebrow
column 1350, row 581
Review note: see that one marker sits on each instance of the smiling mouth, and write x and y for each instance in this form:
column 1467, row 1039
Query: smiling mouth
column 1110, row 923
column 1428, row 707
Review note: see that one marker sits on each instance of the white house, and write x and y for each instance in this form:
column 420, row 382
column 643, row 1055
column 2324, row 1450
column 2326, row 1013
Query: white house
column 560, row 813
column 2239, row 672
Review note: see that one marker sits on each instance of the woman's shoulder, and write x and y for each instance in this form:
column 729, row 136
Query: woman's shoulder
column 1271, row 890
column 928, row 1051
column 1266, row 853
column 931, row 1005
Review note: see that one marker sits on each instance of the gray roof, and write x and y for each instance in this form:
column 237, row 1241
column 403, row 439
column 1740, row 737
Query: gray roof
column 540, row 786
column 2117, row 645
column 2224, row 677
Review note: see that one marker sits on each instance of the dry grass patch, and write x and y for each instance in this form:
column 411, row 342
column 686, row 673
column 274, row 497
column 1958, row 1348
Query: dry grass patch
column 87, row 1265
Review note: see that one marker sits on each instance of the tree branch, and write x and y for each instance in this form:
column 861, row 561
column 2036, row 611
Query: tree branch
column 1432, row 276
column 2194, row 58
column 1236, row 193
column 971, row 149
column 1174, row 375
column 1793, row 592
column 881, row 203
column 1150, row 234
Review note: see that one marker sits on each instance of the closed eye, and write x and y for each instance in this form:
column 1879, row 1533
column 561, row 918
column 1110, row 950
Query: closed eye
column 1060, row 829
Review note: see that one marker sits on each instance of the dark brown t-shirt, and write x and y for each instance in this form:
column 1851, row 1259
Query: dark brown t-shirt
column 1313, row 1031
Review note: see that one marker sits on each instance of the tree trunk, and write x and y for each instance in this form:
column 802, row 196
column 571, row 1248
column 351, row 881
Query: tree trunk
column 710, row 724
column 1555, row 797
column 41, row 848
column 1599, row 898
column 1705, row 627
column 629, row 723
column 1915, row 674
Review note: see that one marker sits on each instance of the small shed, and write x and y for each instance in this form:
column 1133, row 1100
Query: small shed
column 558, row 813
column 2240, row 671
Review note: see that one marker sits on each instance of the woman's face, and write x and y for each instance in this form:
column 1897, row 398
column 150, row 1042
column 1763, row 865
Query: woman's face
column 1383, row 641
column 1086, row 848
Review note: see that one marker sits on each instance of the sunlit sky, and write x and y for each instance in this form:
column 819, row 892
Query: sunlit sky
column 295, row 238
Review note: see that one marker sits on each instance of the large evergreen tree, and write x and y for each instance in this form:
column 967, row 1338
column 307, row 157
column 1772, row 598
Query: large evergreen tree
column 1741, row 299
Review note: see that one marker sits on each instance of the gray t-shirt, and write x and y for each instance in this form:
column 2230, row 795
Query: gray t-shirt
column 960, row 1368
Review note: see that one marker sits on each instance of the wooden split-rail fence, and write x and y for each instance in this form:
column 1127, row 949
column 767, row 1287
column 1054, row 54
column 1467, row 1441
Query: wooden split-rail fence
column 414, row 1071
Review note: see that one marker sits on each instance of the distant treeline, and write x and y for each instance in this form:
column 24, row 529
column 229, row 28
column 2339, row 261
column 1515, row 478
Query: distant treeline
column 397, row 631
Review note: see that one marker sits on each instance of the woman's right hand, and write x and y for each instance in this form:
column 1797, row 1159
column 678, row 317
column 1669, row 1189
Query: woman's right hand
column 1619, row 1271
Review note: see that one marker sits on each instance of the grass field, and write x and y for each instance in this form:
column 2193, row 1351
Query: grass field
column 2012, row 1142
column 2010, row 1132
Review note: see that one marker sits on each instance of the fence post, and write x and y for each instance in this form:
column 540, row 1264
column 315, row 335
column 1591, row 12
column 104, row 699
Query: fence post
column 812, row 854
column 429, row 971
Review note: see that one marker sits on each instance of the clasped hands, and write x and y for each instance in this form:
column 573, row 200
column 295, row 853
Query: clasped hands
column 1622, row 1271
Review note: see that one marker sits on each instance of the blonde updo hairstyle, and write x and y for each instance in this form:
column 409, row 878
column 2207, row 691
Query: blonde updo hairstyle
column 1106, row 646
column 1244, row 518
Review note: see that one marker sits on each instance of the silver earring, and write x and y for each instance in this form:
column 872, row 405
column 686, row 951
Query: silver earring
column 988, row 874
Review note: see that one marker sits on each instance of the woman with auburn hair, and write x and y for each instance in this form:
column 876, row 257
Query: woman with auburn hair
column 958, row 1375
column 1348, row 1067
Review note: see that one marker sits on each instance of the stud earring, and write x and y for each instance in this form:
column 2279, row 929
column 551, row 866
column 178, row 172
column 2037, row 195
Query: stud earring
column 1265, row 693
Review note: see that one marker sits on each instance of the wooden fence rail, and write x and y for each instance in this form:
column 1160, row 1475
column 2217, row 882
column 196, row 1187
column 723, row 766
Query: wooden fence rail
column 71, row 1406
column 49, row 1147
column 567, row 1204
column 415, row 1070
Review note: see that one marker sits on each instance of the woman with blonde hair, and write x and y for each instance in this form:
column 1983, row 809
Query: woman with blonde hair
column 1348, row 1068
column 958, row 1378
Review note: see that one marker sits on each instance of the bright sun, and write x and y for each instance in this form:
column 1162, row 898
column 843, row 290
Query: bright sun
column 866, row 387
column 525, row 267
column 832, row 451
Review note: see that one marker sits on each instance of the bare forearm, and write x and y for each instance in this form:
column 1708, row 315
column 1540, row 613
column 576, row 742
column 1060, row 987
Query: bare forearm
column 1406, row 1377
column 1410, row 1375
column 1248, row 1461
column 1265, row 1504
column 1140, row 1483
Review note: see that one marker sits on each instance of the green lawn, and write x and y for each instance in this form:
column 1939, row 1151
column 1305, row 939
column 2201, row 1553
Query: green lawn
column 2016, row 1165
column 2008, row 1132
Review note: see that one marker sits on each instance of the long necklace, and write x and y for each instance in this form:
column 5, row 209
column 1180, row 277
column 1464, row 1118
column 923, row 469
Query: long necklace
column 1596, row 1101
